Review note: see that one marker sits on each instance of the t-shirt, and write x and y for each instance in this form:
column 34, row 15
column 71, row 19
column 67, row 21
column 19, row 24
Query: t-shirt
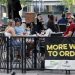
column 19, row 30
column 63, row 21
column 70, row 28
column 48, row 32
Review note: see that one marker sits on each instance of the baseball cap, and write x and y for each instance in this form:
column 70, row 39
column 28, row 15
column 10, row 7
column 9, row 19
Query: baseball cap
column 72, row 16
column 17, row 20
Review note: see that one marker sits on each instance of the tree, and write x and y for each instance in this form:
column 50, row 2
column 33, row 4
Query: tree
column 14, row 7
column 25, row 2
column 4, row 2
column 68, row 4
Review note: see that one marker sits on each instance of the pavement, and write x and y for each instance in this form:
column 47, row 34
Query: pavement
column 48, row 72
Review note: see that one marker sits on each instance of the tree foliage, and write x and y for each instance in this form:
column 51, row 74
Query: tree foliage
column 25, row 2
column 3, row 1
column 68, row 3
column 21, row 1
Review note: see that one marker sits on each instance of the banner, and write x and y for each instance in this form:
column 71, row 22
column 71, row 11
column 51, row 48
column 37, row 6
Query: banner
column 60, row 64
column 60, row 53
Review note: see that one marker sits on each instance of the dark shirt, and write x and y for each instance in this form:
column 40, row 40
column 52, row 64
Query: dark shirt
column 63, row 21
column 52, row 26
column 39, row 26
column 34, row 30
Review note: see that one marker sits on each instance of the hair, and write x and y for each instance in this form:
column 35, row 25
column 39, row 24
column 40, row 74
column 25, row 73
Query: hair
column 38, row 14
column 51, row 18
column 48, row 16
column 18, row 20
column 63, row 15
column 28, row 25
column 10, row 22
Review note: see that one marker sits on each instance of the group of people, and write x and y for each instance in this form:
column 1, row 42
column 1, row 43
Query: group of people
column 16, row 27
column 51, row 26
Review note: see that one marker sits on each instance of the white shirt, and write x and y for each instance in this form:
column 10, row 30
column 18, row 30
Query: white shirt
column 48, row 32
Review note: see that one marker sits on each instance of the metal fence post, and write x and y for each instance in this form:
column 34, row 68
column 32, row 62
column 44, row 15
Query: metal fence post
column 35, row 53
column 22, row 54
column 7, row 54
column 25, row 55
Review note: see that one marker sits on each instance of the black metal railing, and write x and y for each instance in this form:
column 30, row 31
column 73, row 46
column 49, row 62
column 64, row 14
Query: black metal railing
column 23, row 53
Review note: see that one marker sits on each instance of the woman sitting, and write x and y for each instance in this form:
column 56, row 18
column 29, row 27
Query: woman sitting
column 18, row 28
column 9, row 31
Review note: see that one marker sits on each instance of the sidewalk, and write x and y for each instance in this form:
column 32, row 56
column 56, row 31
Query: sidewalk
column 43, row 73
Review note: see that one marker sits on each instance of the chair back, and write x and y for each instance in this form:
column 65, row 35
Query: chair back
column 62, row 27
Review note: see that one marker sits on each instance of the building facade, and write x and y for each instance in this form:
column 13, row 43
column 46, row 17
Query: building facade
column 45, row 6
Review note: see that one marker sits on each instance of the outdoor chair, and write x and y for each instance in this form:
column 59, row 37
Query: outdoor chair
column 62, row 27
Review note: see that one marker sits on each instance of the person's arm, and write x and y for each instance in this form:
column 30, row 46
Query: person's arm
column 69, row 34
column 12, row 30
column 67, row 29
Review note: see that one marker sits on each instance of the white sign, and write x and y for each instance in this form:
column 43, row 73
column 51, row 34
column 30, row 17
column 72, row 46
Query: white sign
column 60, row 64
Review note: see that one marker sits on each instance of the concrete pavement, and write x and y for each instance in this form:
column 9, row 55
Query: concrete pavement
column 43, row 73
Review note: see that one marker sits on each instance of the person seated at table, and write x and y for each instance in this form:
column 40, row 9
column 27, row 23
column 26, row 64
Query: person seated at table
column 9, row 31
column 39, row 25
column 70, row 29
column 21, row 31
column 28, row 28
column 33, row 28
column 63, row 20
column 18, row 28
column 29, row 41
column 50, row 23
column 50, row 27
